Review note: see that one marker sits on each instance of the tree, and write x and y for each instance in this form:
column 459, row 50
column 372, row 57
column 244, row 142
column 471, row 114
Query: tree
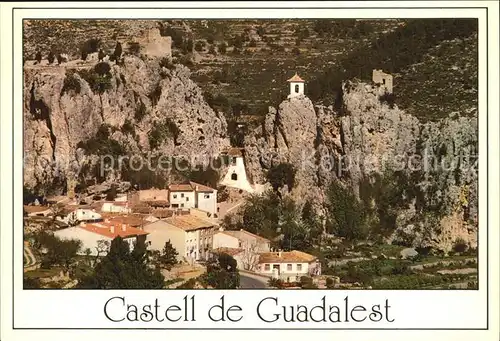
column 84, row 54
column 211, row 50
column 123, row 269
column 199, row 45
column 51, row 57
column 101, row 55
column 60, row 59
column 280, row 175
column 222, row 47
column 118, row 51
column 346, row 215
column 168, row 257
column 112, row 193
column 250, row 256
column 57, row 251
column 222, row 272
column 38, row 57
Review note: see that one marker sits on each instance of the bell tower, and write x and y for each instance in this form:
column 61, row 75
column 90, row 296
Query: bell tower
column 296, row 86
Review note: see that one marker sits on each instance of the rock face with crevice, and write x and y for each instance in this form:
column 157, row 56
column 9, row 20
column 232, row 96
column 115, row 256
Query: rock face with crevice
column 56, row 120
column 370, row 137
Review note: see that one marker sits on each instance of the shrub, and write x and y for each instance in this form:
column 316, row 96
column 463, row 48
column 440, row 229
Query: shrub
column 98, row 83
column 161, row 132
column 222, row 48
column 211, row 50
column 134, row 48
column 90, row 46
column 128, row 128
column 71, row 83
column 118, row 51
column 140, row 111
column 155, row 94
column 102, row 69
column 460, row 246
column 253, row 43
column 388, row 98
column 296, row 51
column 51, row 57
column 38, row 57
column 199, row 46
column 280, row 175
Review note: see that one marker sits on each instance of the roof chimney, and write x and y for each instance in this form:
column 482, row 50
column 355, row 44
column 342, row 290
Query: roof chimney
column 279, row 254
column 221, row 229
column 112, row 228
column 124, row 227
column 196, row 188
column 82, row 224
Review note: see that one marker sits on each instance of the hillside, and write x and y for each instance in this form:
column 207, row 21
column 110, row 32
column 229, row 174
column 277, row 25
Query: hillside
column 242, row 65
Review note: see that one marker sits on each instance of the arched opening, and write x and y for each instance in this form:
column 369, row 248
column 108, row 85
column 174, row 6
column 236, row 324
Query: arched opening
column 296, row 88
column 234, row 176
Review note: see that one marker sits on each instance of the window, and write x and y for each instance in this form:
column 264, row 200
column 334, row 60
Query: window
column 299, row 267
column 234, row 176
column 296, row 88
column 187, row 198
column 267, row 267
column 239, row 244
column 289, row 267
column 207, row 196
column 182, row 205
column 182, row 195
column 175, row 196
column 234, row 160
column 383, row 81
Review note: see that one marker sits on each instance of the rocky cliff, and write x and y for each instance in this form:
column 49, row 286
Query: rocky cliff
column 145, row 107
column 369, row 138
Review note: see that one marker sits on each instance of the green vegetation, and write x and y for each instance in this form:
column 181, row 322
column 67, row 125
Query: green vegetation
column 163, row 131
column 123, row 269
column 71, row 83
column 98, row 78
column 222, row 273
column 102, row 143
column 168, row 256
column 281, row 175
column 57, row 252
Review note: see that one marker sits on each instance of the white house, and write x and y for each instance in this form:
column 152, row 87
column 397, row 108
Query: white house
column 244, row 246
column 82, row 214
column 97, row 237
column 191, row 236
column 236, row 175
column 288, row 266
column 296, row 86
column 116, row 207
column 193, row 195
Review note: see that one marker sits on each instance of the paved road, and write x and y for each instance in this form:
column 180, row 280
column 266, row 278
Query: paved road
column 248, row 281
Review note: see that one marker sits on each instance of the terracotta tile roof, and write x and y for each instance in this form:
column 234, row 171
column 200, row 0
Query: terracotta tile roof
column 238, row 234
column 188, row 222
column 201, row 188
column 133, row 220
column 105, row 228
column 35, row 209
column 228, row 250
column 180, row 188
column 286, row 257
column 295, row 78
column 189, row 187
column 162, row 213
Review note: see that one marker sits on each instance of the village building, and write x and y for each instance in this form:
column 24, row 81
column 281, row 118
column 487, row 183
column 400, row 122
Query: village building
column 241, row 239
column 191, row 236
column 245, row 247
column 296, row 86
column 193, row 195
column 288, row 266
column 82, row 214
column 97, row 237
column 116, row 207
column 236, row 176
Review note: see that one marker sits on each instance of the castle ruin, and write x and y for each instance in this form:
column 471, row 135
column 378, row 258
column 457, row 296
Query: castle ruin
column 154, row 45
column 384, row 79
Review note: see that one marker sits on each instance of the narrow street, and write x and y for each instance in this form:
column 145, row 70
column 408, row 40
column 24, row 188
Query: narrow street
column 249, row 281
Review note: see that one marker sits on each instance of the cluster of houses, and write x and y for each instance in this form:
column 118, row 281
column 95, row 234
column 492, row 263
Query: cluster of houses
column 184, row 214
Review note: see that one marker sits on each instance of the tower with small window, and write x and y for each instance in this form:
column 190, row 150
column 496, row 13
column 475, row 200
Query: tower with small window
column 296, row 86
